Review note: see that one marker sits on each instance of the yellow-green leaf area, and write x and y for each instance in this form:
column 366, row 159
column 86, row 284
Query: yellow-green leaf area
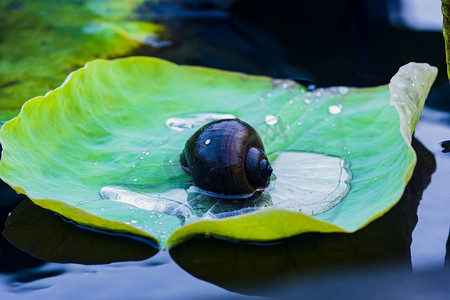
column 42, row 41
column 446, row 31
column 106, row 126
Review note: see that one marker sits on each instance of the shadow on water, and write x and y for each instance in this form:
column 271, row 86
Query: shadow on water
column 45, row 235
column 11, row 258
column 386, row 241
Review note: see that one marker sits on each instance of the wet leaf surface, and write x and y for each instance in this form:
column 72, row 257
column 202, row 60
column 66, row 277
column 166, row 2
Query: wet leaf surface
column 113, row 131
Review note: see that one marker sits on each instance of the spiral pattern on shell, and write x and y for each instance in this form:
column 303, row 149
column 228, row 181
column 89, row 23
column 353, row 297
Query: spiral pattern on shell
column 227, row 157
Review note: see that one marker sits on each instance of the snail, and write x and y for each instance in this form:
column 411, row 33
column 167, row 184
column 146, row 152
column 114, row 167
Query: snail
column 226, row 157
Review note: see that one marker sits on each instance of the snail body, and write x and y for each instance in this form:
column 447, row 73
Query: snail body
column 226, row 157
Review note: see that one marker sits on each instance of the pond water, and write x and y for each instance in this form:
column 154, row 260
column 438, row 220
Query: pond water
column 431, row 232
column 350, row 43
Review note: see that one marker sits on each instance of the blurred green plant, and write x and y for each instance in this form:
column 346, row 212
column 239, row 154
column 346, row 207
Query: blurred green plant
column 446, row 31
column 42, row 41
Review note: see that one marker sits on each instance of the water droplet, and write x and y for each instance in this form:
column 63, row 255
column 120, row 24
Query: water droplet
column 291, row 102
column 271, row 120
column 135, row 179
column 376, row 178
column 134, row 166
column 299, row 123
column 207, row 142
column 95, row 163
column 335, row 109
column 285, row 85
column 133, row 221
column 311, row 87
column 269, row 95
column 343, row 90
column 147, row 153
column 189, row 121
column 307, row 101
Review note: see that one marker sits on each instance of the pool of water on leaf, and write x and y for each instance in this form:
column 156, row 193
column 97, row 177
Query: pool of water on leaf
column 320, row 185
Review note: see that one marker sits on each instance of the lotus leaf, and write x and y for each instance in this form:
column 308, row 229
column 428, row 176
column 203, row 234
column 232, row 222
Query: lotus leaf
column 42, row 41
column 108, row 124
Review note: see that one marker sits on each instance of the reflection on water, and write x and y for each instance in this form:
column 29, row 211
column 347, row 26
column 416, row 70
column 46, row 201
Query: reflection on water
column 47, row 236
column 156, row 278
column 429, row 239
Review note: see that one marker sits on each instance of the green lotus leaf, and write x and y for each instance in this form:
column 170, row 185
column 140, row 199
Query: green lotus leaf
column 446, row 31
column 43, row 41
column 103, row 149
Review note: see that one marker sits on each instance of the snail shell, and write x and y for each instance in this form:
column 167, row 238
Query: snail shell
column 227, row 157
